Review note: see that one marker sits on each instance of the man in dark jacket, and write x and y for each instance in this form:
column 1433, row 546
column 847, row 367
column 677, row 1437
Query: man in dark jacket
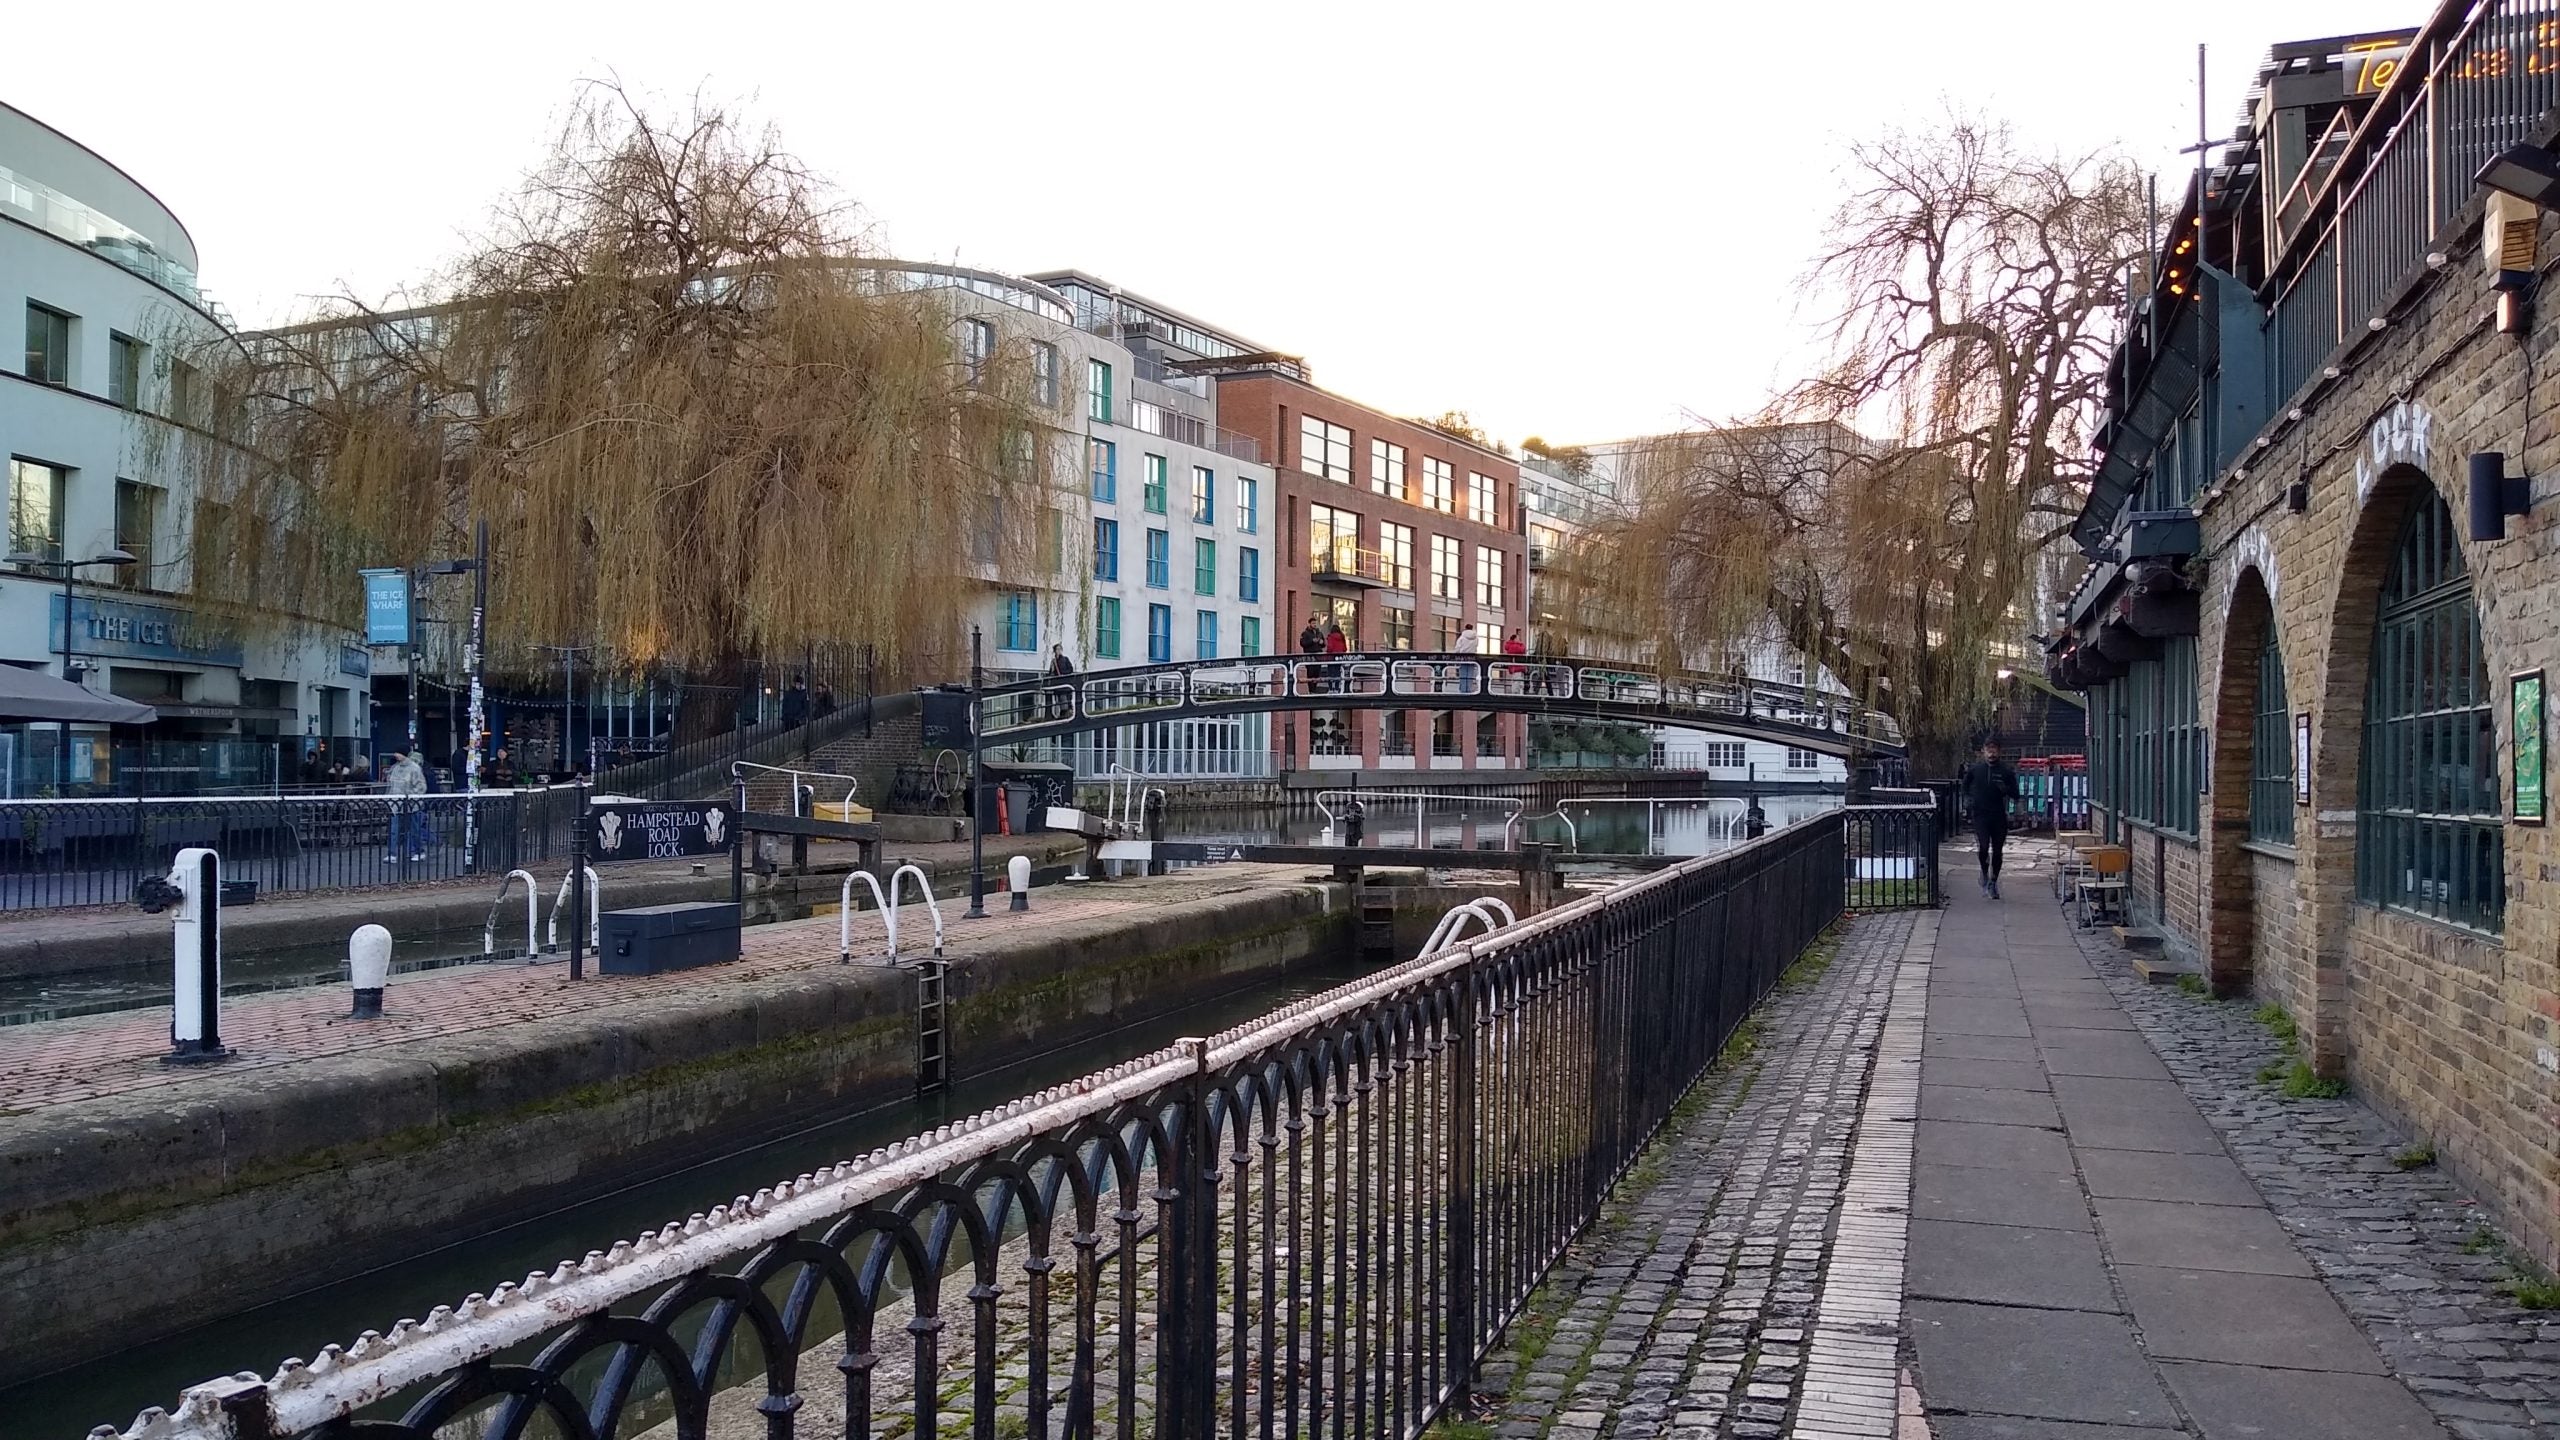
column 1989, row 787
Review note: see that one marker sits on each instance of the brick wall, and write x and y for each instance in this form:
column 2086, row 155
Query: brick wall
column 2449, row 1028
column 2165, row 890
column 875, row 760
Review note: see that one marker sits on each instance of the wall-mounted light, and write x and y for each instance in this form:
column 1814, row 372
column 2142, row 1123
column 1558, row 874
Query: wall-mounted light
column 2377, row 324
column 2297, row 496
column 2333, row 372
column 2528, row 172
column 2495, row 495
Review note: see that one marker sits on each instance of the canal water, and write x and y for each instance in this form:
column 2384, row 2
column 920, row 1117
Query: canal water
column 112, row 1390
column 1585, row 827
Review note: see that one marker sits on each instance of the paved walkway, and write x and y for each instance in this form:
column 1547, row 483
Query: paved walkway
column 2115, row 1229
column 2086, row 1261
column 58, row 1062
column 1694, row 1307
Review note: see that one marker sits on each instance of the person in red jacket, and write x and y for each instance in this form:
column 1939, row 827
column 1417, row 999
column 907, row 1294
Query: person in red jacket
column 1336, row 643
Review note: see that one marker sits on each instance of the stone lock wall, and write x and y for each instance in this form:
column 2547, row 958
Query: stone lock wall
column 2451, row 1029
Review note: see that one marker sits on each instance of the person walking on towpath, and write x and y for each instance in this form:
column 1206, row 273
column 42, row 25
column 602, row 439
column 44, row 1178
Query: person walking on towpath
column 1989, row 786
column 406, row 779
column 1061, row 697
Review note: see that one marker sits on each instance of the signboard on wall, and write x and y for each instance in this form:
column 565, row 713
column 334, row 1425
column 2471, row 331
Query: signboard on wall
column 2302, row 758
column 2524, row 694
column 125, row 629
column 386, row 607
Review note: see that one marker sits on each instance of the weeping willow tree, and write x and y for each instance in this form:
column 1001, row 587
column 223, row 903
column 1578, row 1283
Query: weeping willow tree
column 1888, row 516
column 702, row 424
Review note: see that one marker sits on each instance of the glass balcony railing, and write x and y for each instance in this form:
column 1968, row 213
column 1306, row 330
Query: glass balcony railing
column 57, row 214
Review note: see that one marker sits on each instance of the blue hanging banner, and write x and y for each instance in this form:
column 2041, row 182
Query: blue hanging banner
column 386, row 607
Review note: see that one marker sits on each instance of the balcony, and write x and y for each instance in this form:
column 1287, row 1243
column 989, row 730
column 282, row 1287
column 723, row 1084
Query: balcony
column 1346, row 564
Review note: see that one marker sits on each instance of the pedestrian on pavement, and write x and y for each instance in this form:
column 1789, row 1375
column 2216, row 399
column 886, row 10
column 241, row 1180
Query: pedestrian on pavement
column 1337, row 643
column 823, row 700
column 795, row 703
column 501, row 774
column 1311, row 642
column 406, row 779
column 1989, row 786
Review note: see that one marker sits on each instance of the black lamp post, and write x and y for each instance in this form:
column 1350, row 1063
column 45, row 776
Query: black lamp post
column 68, row 569
column 475, row 660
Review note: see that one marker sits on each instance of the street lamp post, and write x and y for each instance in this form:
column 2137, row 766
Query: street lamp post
column 68, row 569
column 475, row 660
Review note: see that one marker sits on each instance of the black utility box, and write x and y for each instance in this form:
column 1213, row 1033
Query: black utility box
column 655, row 938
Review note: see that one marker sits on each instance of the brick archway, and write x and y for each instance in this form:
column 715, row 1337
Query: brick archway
column 2326, row 841
column 2231, row 941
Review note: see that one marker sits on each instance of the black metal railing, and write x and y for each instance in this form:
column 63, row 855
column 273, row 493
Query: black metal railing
column 57, row 854
column 1891, row 860
column 1315, row 1223
column 2480, row 75
column 1044, row 707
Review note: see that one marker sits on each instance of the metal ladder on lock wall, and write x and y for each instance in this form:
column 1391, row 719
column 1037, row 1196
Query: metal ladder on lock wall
column 933, row 1033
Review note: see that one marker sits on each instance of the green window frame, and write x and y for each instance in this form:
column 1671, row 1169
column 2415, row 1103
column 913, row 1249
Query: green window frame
column 1249, row 635
column 1204, row 567
column 1106, row 627
column 2271, row 753
column 2430, row 825
column 1097, row 391
column 1154, row 496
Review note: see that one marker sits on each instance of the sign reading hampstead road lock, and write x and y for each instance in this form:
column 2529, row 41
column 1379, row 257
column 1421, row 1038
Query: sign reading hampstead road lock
column 645, row 831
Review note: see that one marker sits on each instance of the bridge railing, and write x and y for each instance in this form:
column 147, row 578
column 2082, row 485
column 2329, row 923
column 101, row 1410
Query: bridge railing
column 1131, row 694
column 1316, row 1222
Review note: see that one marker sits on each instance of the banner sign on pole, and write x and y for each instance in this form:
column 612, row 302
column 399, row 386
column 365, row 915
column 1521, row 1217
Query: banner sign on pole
column 386, row 607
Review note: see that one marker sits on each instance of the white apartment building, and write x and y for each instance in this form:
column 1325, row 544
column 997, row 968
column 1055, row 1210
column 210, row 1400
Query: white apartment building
column 1168, row 522
column 103, row 278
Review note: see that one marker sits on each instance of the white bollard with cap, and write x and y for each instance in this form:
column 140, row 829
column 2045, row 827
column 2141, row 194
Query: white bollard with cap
column 369, row 966
column 1017, row 878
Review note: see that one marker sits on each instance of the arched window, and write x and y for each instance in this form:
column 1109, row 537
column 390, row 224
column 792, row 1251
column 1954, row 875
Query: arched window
column 2429, row 835
column 2271, row 751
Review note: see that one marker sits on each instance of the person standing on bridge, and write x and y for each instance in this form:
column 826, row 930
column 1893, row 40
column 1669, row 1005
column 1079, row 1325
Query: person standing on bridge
column 1061, row 696
column 1989, row 786
column 1311, row 642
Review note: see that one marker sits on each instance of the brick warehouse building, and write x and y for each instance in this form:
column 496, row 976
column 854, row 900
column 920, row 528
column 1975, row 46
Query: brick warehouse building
column 2304, row 666
column 1405, row 536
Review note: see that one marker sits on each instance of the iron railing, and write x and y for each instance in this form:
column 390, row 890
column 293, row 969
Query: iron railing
column 1892, row 859
column 2478, row 77
column 57, row 854
column 1318, row 1222
column 1042, row 707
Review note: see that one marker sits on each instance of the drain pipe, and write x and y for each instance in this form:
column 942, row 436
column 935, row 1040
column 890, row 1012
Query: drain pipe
column 532, row 913
column 595, row 907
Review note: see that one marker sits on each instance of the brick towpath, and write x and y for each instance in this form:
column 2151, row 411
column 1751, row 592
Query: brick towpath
column 58, row 1062
column 1691, row 1308
column 2113, row 1229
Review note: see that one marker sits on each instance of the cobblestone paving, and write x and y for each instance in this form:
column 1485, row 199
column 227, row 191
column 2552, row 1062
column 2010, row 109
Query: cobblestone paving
column 2407, row 1253
column 1685, row 1310
column 63, row 1061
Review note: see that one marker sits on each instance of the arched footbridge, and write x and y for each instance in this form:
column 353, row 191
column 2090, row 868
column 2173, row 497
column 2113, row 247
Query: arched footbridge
column 1050, row 707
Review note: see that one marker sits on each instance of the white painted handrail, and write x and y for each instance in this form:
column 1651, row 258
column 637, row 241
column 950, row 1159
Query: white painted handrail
column 532, row 910
column 595, row 909
column 924, row 888
column 844, row 916
column 1453, row 926
column 1421, row 800
column 852, row 783
column 887, row 905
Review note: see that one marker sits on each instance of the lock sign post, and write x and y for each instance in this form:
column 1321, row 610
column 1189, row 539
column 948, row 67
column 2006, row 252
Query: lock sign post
column 649, row 830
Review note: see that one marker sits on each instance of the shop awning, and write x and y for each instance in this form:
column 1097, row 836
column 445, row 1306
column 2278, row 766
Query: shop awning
column 34, row 695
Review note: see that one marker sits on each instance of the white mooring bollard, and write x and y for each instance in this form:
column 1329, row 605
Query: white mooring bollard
column 1017, row 878
column 369, row 966
column 194, row 889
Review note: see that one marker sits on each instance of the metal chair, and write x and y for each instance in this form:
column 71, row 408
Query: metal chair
column 2102, row 892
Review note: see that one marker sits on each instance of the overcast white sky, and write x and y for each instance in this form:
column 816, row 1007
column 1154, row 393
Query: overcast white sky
column 1575, row 220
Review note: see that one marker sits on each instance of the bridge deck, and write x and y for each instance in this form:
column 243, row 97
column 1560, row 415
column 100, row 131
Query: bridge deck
column 1051, row 707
